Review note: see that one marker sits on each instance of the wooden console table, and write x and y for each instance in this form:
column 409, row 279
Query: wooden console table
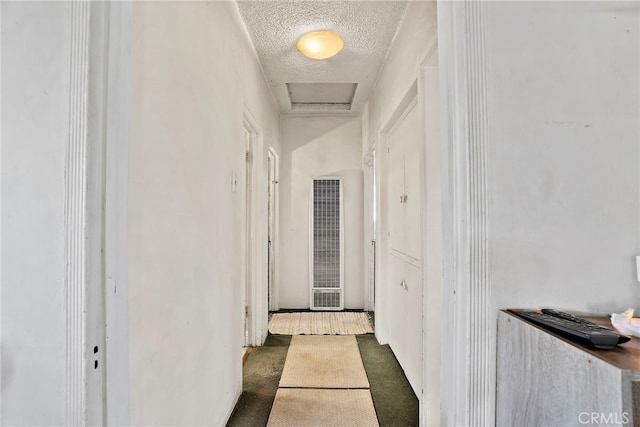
column 544, row 379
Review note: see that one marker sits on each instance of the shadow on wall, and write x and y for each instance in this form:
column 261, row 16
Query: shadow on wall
column 320, row 129
column 320, row 149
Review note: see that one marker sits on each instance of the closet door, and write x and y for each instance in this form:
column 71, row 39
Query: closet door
column 404, row 285
column 397, row 303
column 405, row 204
column 397, row 227
column 412, row 360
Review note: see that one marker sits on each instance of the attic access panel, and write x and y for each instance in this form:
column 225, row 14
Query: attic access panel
column 321, row 96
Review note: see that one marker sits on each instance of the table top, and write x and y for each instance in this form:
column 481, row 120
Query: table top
column 623, row 356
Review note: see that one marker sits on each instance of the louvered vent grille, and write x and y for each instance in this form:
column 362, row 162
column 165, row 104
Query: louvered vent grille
column 326, row 299
column 327, row 247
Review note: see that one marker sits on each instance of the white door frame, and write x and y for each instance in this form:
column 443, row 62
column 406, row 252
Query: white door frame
column 116, row 216
column 256, row 246
column 97, row 215
column 368, row 164
column 83, row 222
column 97, row 121
column 274, row 219
column 432, row 244
column 248, row 239
column 468, row 360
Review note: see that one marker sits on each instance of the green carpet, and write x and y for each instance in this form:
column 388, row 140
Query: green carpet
column 393, row 397
column 395, row 403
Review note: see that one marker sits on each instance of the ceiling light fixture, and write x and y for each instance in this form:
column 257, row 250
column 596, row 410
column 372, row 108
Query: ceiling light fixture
column 320, row 44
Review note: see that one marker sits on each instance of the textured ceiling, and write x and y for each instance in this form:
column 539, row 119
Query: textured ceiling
column 367, row 28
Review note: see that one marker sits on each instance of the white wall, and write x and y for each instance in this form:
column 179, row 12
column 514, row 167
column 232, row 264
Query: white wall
column 313, row 147
column 193, row 73
column 556, row 111
column 563, row 106
column 35, row 126
column 410, row 47
column 563, row 114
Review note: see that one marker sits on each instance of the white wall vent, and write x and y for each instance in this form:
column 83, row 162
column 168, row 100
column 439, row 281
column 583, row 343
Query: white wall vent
column 327, row 244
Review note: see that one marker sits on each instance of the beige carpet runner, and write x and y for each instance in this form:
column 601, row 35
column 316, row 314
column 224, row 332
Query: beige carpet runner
column 323, row 384
column 324, row 362
column 322, row 408
column 320, row 323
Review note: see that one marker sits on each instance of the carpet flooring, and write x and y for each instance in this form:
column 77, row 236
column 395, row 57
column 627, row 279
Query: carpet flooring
column 324, row 361
column 310, row 407
column 395, row 403
column 393, row 397
column 320, row 323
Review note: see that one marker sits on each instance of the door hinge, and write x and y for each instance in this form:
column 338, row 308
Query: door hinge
column 248, row 156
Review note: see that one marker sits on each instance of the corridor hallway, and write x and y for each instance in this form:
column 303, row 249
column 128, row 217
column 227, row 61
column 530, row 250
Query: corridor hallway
column 394, row 401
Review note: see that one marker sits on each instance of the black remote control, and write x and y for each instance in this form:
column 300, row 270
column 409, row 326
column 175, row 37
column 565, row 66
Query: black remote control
column 573, row 327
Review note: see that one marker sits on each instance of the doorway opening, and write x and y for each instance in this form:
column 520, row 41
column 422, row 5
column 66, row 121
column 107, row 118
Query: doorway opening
column 370, row 215
column 272, row 225
column 247, row 282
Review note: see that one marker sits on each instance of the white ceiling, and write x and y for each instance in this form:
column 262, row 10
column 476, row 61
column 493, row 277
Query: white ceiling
column 367, row 28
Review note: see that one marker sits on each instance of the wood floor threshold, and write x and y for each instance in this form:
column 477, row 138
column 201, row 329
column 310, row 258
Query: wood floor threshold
column 247, row 350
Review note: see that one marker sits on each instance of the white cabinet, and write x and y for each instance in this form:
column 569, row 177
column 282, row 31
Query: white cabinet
column 396, row 302
column 405, row 199
column 404, row 257
column 405, row 325
column 413, row 325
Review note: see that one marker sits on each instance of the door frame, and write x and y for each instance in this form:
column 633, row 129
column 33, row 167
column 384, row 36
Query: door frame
column 468, row 394
column 369, row 166
column 408, row 101
column 100, row 309
column 116, row 215
column 97, row 117
column 248, row 234
column 432, row 253
column 256, row 246
column 273, row 224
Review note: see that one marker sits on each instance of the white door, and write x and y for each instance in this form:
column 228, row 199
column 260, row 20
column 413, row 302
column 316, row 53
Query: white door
column 404, row 285
column 397, row 319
